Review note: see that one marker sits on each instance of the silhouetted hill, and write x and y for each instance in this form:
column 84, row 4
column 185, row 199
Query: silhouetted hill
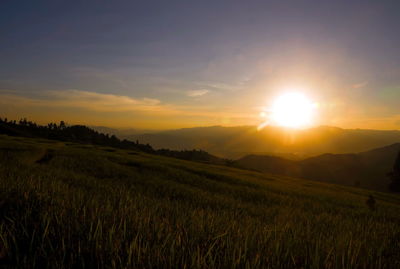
column 84, row 134
column 367, row 169
column 236, row 142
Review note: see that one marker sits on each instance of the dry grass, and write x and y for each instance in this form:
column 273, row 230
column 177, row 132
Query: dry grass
column 63, row 206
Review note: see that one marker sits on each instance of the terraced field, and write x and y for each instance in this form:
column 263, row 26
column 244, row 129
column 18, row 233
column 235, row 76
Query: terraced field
column 66, row 205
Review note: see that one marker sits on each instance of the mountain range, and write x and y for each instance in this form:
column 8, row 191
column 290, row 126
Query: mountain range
column 366, row 169
column 236, row 142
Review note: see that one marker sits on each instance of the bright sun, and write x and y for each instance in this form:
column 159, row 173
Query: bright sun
column 293, row 110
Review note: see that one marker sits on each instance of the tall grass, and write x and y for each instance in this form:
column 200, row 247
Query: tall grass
column 63, row 206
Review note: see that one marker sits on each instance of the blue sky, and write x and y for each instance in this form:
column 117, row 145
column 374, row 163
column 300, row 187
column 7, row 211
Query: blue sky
column 170, row 64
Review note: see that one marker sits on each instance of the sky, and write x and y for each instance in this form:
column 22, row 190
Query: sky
column 172, row 64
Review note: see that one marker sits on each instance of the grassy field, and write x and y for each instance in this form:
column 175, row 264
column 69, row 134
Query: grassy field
column 65, row 205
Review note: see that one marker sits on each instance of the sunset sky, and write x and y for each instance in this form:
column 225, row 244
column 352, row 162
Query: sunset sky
column 172, row 64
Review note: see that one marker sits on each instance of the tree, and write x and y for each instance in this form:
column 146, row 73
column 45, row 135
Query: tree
column 395, row 175
column 62, row 125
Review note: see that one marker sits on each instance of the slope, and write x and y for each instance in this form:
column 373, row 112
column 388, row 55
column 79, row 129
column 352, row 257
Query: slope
column 367, row 169
column 67, row 205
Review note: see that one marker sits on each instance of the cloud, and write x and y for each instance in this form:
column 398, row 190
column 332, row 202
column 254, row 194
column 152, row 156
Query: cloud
column 360, row 85
column 146, row 111
column 197, row 93
column 218, row 86
column 103, row 100
column 86, row 100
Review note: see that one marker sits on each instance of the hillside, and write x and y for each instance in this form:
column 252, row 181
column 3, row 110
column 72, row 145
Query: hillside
column 70, row 205
column 86, row 135
column 367, row 169
column 236, row 142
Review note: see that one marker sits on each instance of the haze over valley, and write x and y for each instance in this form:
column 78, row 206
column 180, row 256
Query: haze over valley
column 236, row 142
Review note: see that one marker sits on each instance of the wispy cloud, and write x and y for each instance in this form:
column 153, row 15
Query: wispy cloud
column 76, row 102
column 86, row 100
column 103, row 100
column 219, row 86
column 197, row 93
column 360, row 85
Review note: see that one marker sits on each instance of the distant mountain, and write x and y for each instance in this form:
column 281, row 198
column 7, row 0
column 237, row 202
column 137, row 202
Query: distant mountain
column 367, row 169
column 121, row 133
column 236, row 142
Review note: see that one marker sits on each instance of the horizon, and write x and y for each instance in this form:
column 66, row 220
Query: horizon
column 243, row 126
column 292, row 144
column 126, row 128
column 163, row 66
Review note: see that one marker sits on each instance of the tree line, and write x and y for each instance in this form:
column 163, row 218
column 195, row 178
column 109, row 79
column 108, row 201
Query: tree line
column 86, row 135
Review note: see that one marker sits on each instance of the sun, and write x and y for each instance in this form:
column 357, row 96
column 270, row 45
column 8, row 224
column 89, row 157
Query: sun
column 292, row 110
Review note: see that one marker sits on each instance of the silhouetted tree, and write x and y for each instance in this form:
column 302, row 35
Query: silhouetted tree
column 394, row 175
column 23, row 122
column 62, row 125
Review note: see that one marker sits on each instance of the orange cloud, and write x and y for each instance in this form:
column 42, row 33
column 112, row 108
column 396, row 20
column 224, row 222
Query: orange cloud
column 111, row 103
column 86, row 100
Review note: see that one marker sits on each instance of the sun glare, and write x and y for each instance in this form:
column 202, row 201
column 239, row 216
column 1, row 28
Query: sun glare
column 293, row 110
